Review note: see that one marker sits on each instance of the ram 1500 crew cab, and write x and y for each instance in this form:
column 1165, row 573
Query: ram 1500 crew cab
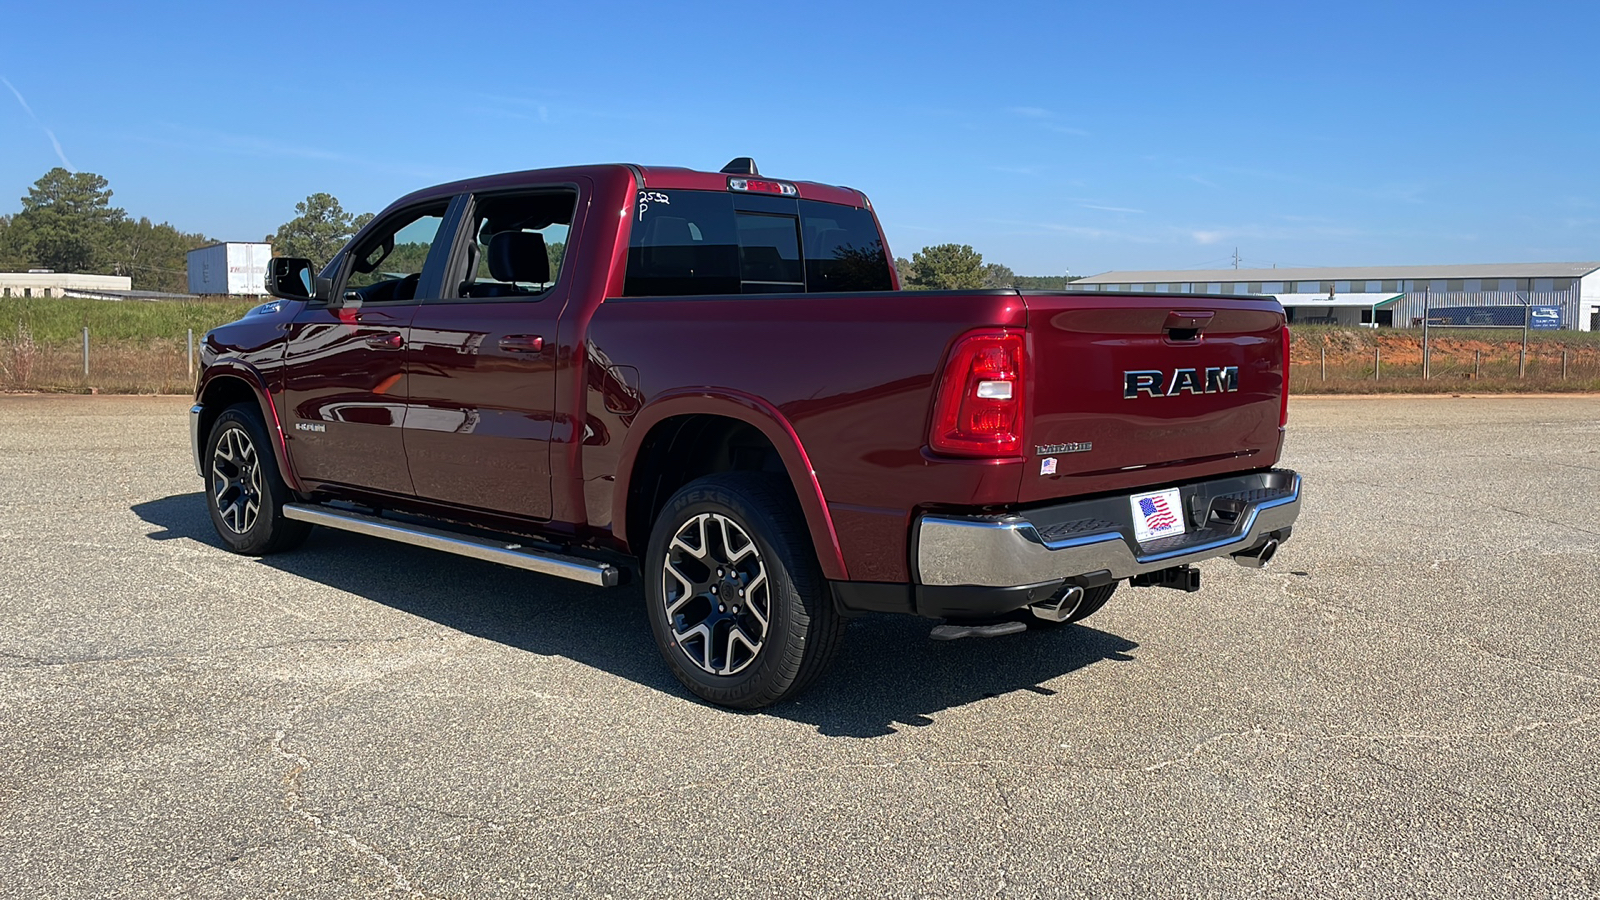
column 710, row 382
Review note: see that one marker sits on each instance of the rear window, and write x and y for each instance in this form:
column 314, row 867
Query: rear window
column 704, row 242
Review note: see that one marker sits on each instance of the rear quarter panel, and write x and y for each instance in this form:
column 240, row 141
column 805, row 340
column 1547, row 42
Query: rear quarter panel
column 852, row 374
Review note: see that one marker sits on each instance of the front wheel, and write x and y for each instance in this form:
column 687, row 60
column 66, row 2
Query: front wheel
column 738, row 605
column 245, row 493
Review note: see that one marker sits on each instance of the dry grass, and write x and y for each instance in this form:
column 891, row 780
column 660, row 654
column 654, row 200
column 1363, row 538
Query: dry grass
column 1343, row 361
column 122, row 367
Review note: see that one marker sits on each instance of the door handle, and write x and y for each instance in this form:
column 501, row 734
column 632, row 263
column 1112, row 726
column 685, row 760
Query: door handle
column 389, row 340
column 522, row 343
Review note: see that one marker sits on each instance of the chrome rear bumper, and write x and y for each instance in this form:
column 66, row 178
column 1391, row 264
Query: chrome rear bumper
column 1095, row 537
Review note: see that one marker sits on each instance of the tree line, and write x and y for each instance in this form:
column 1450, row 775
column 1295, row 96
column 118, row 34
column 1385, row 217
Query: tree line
column 67, row 224
column 954, row 267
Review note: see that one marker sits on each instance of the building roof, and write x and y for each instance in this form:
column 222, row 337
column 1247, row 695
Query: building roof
column 1336, row 301
column 1351, row 273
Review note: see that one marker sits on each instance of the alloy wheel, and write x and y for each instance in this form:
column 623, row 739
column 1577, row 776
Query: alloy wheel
column 236, row 485
column 717, row 597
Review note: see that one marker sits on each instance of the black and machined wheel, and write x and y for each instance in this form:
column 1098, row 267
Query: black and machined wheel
column 244, row 491
column 737, row 602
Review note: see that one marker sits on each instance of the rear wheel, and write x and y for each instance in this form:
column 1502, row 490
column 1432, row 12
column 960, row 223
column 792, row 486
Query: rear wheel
column 245, row 494
column 737, row 603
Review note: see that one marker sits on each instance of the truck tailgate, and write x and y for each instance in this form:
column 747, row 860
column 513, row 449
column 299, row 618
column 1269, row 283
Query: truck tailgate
column 1129, row 391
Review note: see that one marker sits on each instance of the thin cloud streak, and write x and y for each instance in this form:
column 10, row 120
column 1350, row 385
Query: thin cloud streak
column 60, row 154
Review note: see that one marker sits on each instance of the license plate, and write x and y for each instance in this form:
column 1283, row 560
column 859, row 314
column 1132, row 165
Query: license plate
column 1156, row 515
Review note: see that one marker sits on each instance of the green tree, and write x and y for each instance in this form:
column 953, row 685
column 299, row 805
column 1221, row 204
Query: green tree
column 947, row 267
column 155, row 256
column 902, row 269
column 319, row 228
column 1045, row 282
column 996, row 275
column 66, row 223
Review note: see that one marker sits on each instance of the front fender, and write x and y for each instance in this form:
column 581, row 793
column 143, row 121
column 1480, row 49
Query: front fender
column 754, row 411
column 212, row 385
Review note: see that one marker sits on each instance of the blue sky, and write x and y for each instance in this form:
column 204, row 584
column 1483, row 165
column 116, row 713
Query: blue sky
column 1052, row 137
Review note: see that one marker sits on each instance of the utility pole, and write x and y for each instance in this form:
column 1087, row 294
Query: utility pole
column 1236, row 257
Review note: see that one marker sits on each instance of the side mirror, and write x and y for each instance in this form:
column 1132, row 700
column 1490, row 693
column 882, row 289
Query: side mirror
column 290, row 278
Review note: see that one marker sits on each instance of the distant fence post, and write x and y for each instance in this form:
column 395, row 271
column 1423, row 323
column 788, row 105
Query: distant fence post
column 1477, row 364
column 1324, row 363
column 191, row 353
column 1563, row 365
column 1527, row 319
column 1377, row 362
column 86, row 351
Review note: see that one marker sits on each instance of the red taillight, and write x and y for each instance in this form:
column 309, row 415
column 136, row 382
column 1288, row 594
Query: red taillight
column 1283, row 410
column 978, row 410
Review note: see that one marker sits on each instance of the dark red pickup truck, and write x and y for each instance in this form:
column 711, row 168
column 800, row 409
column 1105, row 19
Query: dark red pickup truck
column 711, row 382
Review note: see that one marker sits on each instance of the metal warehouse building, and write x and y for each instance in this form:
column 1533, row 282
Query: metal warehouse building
column 1392, row 295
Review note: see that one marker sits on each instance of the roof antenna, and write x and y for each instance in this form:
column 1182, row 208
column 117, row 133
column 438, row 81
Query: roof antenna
column 741, row 165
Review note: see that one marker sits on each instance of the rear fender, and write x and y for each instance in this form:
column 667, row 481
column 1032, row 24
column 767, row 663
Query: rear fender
column 237, row 371
column 770, row 422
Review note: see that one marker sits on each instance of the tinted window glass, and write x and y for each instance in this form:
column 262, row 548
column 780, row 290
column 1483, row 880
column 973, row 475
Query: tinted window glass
column 697, row 242
column 683, row 243
column 519, row 243
column 387, row 264
column 843, row 249
column 769, row 253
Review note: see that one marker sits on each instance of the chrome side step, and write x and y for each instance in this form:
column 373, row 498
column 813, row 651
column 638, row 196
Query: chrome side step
column 507, row 554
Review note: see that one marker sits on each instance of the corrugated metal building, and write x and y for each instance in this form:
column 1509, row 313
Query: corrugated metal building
column 234, row 267
column 1407, row 290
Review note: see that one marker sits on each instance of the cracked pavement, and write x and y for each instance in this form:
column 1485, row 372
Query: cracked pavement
column 1406, row 704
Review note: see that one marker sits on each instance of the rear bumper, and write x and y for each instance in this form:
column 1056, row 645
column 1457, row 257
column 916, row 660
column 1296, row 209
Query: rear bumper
column 984, row 565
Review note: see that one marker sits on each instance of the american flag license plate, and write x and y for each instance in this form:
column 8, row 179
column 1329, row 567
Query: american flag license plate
column 1157, row 515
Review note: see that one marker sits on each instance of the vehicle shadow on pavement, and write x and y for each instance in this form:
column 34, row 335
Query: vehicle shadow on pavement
column 888, row 673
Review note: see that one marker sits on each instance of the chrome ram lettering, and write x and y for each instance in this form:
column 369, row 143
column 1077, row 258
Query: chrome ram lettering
column 1154, row 382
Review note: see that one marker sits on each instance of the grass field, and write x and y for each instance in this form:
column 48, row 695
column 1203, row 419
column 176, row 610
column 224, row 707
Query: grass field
column 61, row 321
column 140, row 347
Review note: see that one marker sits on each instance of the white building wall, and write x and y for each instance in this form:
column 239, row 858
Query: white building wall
column 36, row 284
column 1589, row 301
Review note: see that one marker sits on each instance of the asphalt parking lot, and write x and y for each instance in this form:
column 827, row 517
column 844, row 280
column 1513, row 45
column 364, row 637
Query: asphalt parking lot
column 1406, row 704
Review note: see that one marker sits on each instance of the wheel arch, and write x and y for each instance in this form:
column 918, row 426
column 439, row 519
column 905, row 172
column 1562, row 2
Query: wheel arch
column 228, row 384
column 680, row 437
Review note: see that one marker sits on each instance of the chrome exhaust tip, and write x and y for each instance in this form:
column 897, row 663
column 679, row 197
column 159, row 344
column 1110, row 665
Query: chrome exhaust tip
column 1258, row 557
column 1060, row 607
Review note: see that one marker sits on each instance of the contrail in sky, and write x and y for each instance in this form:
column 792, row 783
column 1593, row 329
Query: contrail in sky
column 48, row 133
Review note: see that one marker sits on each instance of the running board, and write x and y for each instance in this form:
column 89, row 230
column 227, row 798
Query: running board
column 507, row 554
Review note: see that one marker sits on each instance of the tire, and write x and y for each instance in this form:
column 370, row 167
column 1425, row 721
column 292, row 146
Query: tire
column 244, row 492
column 743, row 525
column 1093, row 599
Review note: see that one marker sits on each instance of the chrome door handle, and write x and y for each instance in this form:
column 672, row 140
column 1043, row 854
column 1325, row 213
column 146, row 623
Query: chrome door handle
column 389, row 340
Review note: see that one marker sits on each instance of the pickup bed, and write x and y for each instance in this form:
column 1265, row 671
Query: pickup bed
column 711, row 383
